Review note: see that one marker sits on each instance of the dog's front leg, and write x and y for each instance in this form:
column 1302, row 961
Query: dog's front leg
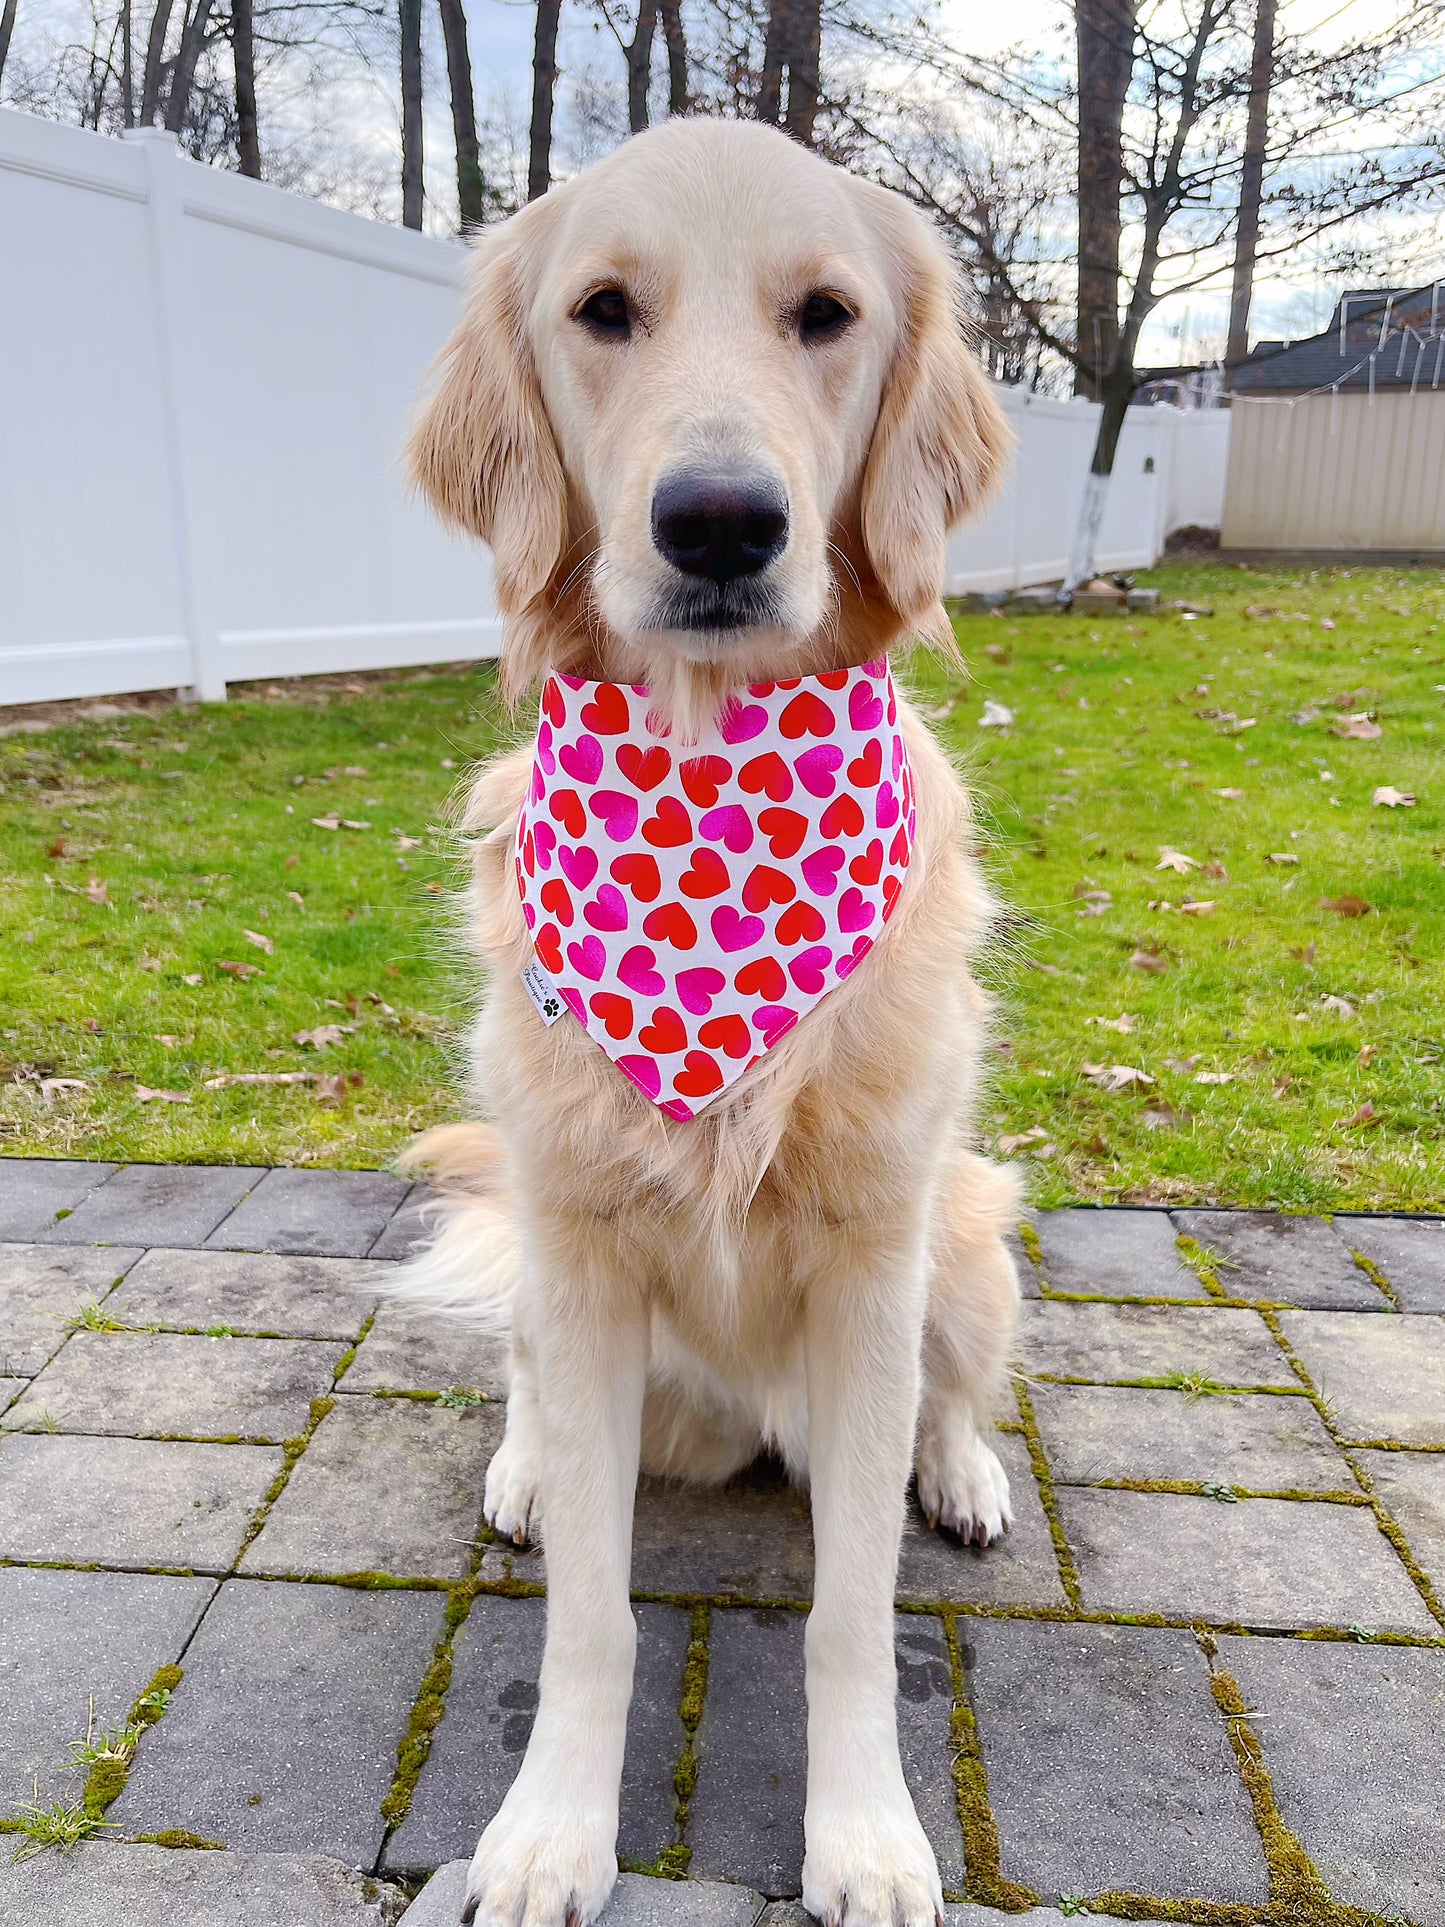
column 868, row 1862
column 549, row 1857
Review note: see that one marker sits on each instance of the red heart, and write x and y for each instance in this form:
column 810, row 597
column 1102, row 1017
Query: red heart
column 787, row 829
column 799, row 920
column 706, row 876
column 770, row 773
column 898, row 851
column 529, row 854
column 670, row 923
column 868, row 867
column 835, row 678
column 805, row 715
column 863, row 771
column 702, row 777
column 637, row 872
column 552, row 702
column 701, row 1076
column 665, row 1034
column 607, row 714
column 671, row 825
column 643, row 768
column 843, row 817
column 555, row 897
column 548, row 945
column 891, row 889
column 767, row 886
column 566, row 807
column 615, row 1012
column 728, row 1034
column 763, row 977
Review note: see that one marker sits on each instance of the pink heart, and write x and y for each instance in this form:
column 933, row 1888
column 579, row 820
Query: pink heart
column 696, row 988
column 580, row 865
column 588, row 958
column 774, row 1021
column 864, row 709
column 885, row 811
column 820, row 870
column 739, row 723
column 608, row 909
column 637, row 972
column 582, row 759
column 854, row 911
column 544, row 841
column 854, row 957
column 733, row 932
column 730, row 825
column 897, row 757
column 815, row 768
column 544, row 747
column 530, row 914
column 574, row 1004
column 643, row 1072
column 538, row 788
column 616, row 811
column 806, row 969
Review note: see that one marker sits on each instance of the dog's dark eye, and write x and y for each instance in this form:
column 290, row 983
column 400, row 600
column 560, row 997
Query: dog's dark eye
column 821, row 316
column 606, row 312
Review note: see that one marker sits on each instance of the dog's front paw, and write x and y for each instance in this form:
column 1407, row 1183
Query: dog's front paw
column 540, row 1865
column 871, row 1868
column 961, row 1484
column 511, row 1503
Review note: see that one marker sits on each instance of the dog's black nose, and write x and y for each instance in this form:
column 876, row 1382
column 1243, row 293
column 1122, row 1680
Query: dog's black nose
column 721, row 526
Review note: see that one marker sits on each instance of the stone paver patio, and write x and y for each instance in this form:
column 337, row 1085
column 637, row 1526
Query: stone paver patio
column 1206, row 1670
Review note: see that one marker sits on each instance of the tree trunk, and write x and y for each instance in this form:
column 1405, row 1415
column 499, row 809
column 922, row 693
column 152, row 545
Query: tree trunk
column 1118, row 392
column 544, row 87
column 676, row 37
column 150, row 97
column 409, row 12
column 1251, row 182
column 639, row 65
column 777, row 47
column 7, row 29
column 193, row 38
column 243, row 57
column 1104, row 35
column 803, row 60
column 127, row 64
column 471, row 187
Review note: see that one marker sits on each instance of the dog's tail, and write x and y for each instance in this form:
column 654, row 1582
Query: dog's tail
column 470, row 1267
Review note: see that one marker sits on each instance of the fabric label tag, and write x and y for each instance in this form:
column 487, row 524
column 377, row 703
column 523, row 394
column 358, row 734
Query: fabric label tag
column 543, row 993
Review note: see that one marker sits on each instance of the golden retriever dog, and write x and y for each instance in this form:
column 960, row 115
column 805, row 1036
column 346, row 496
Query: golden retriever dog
column 712, row 407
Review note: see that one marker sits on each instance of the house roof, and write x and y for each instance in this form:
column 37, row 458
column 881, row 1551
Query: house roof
column 1377, row 337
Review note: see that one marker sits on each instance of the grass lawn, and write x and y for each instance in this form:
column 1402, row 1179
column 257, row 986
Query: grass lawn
column 1292, row 1052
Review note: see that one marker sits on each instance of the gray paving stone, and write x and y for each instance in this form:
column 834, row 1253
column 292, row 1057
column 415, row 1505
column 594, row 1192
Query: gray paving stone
column 1262, row 1562
column 1352, row 1736
column 70, row 1641
column 489, row 1709
column 167, row 1887
column 792, row 1913
column 130, row 1502
column 1409, row 1251
column 250, row 1292
column 1150, row 1341
column 316, row 1214
column 386, row 1485
column 407, row 1230
column 1115, row 1254
column 156, row 1204
column 154, row 1384
column 749, row 1539
column 1107, row 1762
column 1020, row 1571
column 10, row 1390
column 1257, row 1440
column 637, row 1901
column 40, row 1288
column 32, row 1190
column 1383, row 1378
column 282, row 1736
column 1299, row 1260
column 409, row 1351
column 925, row 1739
column 1412, row 1485
column 747, row 1812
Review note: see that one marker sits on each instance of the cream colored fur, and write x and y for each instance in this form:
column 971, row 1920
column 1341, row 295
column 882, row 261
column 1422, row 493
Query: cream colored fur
column 816, row 1263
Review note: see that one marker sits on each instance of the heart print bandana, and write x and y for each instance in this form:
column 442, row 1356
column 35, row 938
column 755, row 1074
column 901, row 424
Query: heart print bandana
column 690, row 904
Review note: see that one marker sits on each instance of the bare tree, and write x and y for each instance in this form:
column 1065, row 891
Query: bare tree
column 544, row 92
column 243, row 55
column 154, row 74
column 183, row 75
column 1251, row 180
column 792, row 47
column 675, row 35
column 471, row 184
column 7, row 30
column 127, row 65
column 409, row 13
column 1104, row 38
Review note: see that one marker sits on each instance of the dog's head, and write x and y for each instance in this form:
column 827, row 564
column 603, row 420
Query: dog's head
column 710, row 403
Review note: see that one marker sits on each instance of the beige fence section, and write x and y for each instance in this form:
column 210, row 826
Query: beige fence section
column 1343, row 472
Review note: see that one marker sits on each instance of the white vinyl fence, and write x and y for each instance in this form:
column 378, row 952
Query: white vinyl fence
column 204, row 386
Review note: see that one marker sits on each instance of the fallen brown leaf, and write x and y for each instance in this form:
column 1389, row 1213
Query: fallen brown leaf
column 334, row 1087
column 1149, row 961
column 1367, row 1054
column 1124, row 1023
column 1359, row 729
column 1114, row 1077
column 261, row 942
column 1007, row 1145
column 193, row 977
column 145, row 1095
column 322, row 1036
column 1182, row 1064
column 1214, row 1077
column 1344, row 907
column 1341, row 1004
column 50, row 1086
column 241, row 970
column 1393, row 799
column 225, row 1082
column 1159, row 1116
column 1215, row 871
column 1176, row 860
column 1281, row 856
column 1366, row 1114
column 97, row 890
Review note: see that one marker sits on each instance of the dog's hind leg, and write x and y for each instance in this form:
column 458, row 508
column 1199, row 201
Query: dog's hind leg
column 512, row 1503
column 973, row 1304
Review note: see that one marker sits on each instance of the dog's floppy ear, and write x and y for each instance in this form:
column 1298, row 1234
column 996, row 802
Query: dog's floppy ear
column 482, row 450
column 939, row 445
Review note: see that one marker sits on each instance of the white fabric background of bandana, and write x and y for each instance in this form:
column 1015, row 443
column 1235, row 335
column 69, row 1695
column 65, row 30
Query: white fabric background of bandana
column 691, row 908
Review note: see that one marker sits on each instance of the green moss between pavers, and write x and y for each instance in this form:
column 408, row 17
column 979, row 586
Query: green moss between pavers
column 291, row 1451
column 348, row 1357
column 982, row 1859
column 178, row 1839
column 1195, row 1489
column 1029, row 1239
column 428, row 1710
column 105, row 1781
column 1044, row 1480
column 1203, row 1262
column 674, row 1861
column 1377, row 1277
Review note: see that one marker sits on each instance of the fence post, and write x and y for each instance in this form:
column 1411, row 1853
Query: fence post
column 177, row 345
